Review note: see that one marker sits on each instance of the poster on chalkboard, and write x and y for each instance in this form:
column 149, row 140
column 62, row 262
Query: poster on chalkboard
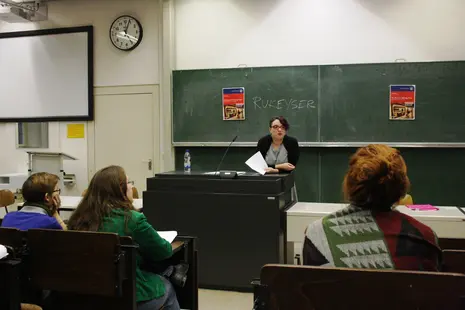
column 234, row 104
column 402, row 102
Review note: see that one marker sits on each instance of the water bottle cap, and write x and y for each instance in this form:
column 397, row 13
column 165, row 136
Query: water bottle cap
column 187, row 150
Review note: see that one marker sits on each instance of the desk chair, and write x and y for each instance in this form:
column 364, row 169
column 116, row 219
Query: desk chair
column 306, row 287
column 14, row 239
column 135, row 193
column 95, row 270
column 30, row 307
column 406, row 200
column 12, row 273
column 453, row 261
column 451, row 244
column 6, row 198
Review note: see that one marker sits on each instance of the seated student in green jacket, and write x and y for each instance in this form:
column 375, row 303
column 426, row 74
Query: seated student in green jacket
column 107, row 207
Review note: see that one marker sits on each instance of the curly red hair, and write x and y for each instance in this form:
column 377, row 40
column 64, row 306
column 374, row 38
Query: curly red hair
column 377, row 177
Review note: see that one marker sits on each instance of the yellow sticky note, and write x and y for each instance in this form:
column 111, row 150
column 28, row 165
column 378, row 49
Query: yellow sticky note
column 75, row 131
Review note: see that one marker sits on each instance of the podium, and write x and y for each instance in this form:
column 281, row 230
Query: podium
column 51, row 162
column 240, row 223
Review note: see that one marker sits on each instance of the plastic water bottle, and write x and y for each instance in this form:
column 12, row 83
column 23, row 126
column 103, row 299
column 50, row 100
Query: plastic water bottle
column 187, row 161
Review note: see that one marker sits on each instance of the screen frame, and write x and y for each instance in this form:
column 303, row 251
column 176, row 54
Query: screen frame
column 90, row 71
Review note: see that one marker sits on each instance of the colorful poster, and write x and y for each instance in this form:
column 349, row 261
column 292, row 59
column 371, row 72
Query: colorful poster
column 402, row 102
column 234, row 104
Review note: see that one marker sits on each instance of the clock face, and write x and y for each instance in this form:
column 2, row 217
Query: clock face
column 126, row 33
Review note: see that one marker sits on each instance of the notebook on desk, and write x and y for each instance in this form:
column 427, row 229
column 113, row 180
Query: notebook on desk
column 168, row 235
column 422, row 207
column 3, row 252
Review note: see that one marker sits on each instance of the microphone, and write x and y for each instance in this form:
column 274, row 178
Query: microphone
column 229, row 175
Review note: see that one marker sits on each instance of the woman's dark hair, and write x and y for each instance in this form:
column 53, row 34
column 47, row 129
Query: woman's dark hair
column 377, row 178
column 38, row 185
column 282, row 120
column 106, row 191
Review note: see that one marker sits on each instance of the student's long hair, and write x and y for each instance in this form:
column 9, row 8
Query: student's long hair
column 377, row 178
column 106, row 192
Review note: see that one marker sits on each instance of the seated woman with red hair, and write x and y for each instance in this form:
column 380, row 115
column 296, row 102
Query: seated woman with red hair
column 369, row 233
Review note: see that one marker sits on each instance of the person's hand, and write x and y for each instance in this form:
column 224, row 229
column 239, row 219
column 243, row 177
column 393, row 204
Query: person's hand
column 286, row 167
column 56, row 202
column 271, row 170
column 60, row 221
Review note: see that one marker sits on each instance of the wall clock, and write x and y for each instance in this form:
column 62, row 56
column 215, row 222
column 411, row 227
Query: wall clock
column 126, row 33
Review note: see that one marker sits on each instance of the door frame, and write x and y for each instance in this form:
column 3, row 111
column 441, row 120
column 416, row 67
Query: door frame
column 153, row 90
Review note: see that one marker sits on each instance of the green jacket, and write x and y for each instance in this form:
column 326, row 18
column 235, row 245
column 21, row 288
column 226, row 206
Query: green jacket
column 151, row 248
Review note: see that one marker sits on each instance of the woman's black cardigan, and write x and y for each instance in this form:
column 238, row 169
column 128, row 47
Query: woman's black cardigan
column 290, row 143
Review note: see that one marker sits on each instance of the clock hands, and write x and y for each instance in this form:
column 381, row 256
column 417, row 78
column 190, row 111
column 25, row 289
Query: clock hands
column 128, row 37
column 124, row 34
column 127, row 27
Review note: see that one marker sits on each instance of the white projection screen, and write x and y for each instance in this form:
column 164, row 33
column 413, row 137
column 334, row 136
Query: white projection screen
column 47, row 75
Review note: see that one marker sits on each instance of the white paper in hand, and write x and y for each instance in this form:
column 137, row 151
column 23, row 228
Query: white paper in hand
column 3, row 252
column 257, row 163
column 168, row 235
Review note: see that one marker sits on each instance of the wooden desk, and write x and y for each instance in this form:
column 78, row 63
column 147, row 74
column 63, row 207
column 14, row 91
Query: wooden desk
column 177, row 246
column 185, row 251
column 447, row 222
column 70, row 203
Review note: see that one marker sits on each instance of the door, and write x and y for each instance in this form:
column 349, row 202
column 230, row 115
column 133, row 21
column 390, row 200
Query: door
column 124, row 135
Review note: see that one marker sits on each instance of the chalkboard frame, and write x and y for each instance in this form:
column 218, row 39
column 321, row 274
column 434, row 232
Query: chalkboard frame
column 89, row 30
column 328, row 144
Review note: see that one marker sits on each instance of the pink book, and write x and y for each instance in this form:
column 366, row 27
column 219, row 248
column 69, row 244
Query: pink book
column 422, row 208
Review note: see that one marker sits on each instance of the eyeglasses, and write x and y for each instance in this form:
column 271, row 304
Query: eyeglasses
column 131, row 182
column 57, row 191
column 276, row 127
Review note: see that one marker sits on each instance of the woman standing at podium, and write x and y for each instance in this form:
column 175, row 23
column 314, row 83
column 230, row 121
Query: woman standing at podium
column 280, row 151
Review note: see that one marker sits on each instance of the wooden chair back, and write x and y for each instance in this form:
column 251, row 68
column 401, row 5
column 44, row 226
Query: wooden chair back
column 135, row 193
column 6, row 198
column 453, row 261
column 406, row 200
column 15, row 241
column 451, row 244
column 10, row 288
column 85, row 270
column 306, row 287
column 13, row 238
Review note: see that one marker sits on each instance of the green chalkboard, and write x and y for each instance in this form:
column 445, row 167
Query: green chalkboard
column 288, row 91
column 436, row 174
column 355, row 102
column 333, row 103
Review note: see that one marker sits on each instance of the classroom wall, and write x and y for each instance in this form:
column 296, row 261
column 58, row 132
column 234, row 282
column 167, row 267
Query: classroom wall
column 236, row 33
column 112, row 68
column 230, row 33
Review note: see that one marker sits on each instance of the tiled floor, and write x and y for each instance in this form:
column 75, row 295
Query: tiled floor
column 218, row 300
